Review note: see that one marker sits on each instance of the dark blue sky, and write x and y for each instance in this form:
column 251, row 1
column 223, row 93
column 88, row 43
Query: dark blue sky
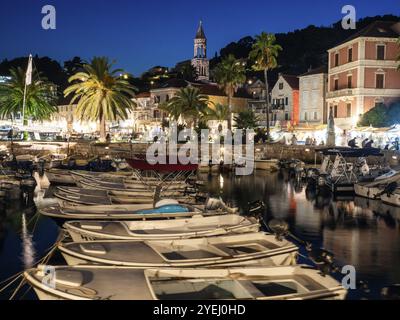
column 140, row 34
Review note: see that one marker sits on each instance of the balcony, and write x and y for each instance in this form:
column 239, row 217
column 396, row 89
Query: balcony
column 340, row 93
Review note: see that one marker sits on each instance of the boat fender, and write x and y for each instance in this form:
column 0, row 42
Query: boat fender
column 165, row 202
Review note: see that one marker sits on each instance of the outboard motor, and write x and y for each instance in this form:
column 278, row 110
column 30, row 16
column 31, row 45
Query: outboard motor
column 255, row 207
column 213, row 204
column 41, row 166
column 323, row 259
column 390, row 188
column 279, row 227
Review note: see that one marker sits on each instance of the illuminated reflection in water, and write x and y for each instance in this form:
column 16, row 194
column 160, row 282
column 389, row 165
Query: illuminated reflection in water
column 28, row 249
column 360, row 232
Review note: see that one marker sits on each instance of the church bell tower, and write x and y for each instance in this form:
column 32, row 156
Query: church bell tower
column 200, row 61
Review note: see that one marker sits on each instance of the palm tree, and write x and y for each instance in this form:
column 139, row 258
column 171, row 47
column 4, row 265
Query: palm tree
column 246, row 120
column 265, row 53
column 218, row 113
column 101, row 93
column 40, row 97
column 188, row 104
column 230, row 74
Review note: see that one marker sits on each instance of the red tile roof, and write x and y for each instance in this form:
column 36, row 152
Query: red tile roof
column 323, row 69
column 143, row 95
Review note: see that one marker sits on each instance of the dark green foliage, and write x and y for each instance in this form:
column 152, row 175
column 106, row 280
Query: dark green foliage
column 246, row 120
column 376, row 117
column 302, row 49
column 381, row 116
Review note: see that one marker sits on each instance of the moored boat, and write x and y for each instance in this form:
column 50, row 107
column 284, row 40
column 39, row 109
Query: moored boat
column 195, row 227
column 269, row 165
column 391, row 197
column 374, row 189
column 119, row 193
column 121, row 283
column 63, row 176
column 230, row 250
column 147, row 211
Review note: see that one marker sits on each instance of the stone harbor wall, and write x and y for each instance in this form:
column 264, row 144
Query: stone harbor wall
column 308, row 154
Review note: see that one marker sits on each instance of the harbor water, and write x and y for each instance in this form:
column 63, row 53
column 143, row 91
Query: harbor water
column 359, row 232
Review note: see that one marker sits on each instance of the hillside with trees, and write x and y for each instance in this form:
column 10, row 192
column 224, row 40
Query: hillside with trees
column 302, row 49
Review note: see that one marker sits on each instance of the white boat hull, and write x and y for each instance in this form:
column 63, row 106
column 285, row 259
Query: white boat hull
column 367, row 192
column 392, row 199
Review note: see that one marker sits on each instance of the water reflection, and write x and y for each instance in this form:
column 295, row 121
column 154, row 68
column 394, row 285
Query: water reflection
column 28, row 249
column 360, row 232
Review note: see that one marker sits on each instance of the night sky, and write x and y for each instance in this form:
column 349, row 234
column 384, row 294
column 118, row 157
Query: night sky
column 141, row 34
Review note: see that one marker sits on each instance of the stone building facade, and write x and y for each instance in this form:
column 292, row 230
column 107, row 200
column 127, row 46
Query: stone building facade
column 312, row 90
column 284, row 109
column 362, row 72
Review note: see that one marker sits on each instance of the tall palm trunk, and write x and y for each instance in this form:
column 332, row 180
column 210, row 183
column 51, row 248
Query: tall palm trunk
column 102, row 128
column 267, row 102
column 230, row 110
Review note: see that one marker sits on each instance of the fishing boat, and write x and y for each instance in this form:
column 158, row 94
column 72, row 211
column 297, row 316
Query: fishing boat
column 229, row 250
column 63, row 176
column 95, row 282
column 149, row 211
column 104, row 197
column 375, row 188
column 139, row 162
column 195, row 227
column 90, row 200
column 119, row 177
column 53, row 160
column 97, row 183
column 117, row 193
column 391, row 197
column 269, row 165
column 348, row 168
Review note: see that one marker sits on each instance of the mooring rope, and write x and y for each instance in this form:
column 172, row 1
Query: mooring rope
column 45, row 259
